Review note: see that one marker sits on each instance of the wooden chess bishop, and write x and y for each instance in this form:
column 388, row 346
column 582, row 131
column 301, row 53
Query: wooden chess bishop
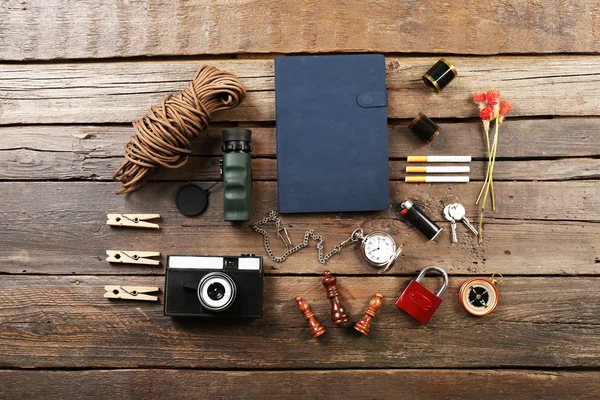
column 364, row 324
column 338, row 315
column 316, row 329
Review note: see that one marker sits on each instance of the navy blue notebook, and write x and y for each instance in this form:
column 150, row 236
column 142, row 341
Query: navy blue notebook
column 332, row 138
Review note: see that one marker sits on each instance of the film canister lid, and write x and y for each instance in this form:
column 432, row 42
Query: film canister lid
column 440, row 75
column 424, row 127
column 191, row 200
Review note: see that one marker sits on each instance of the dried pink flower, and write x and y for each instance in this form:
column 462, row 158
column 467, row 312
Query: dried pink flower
column 505, row 107
column 479, row 97
column 486, row 114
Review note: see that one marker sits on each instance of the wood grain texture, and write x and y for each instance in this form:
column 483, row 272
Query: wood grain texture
column 37, row 29
column 534, row 138
column 88, row 152
column 118, row 92
column 33, row 165
column 51, row 322
column 273, row 385
column 575, row 201
column 63, row 124
column 511, row 247
column 44, row 224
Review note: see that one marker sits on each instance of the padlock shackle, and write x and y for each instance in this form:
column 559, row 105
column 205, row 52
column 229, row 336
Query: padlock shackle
column 423, row 272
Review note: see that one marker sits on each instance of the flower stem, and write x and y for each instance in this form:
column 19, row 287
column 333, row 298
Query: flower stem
column 487, row 140
column 494, row 148
column 492, row 192
column 488, row 182
column 487, row 173
column 481, row 225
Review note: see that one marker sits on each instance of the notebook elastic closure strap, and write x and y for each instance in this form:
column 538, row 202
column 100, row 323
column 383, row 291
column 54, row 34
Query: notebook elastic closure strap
column 372, row 99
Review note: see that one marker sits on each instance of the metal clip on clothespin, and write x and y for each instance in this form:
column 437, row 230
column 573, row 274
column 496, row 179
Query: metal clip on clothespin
column 130, row 292
column 132, row 220
column 132, row 257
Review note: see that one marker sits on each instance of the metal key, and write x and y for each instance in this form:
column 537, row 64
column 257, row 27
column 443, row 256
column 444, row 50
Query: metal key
column 457, row 211
column 452, row 222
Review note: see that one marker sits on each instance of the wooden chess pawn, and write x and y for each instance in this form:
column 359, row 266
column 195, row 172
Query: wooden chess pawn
column 364, row 324
column 316, row 329
column 338, row 315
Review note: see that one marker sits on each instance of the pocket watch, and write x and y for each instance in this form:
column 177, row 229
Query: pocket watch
column 479, row 296
column 380, row 250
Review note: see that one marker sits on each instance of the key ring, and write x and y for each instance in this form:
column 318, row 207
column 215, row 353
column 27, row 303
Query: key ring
column 357, row 235
column 449, row 195
column 496, row 281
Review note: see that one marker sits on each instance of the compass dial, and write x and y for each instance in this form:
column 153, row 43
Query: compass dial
column 478, row 296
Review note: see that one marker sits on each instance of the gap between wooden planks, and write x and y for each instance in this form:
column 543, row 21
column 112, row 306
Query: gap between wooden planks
column 27, row 165
column 521, row 139
column 44, row 224
column 575, row 201
column 273, row 385
column 65, row 322
column 94, row 152
column 119, row 92
column 42, row 29
column 510, row 248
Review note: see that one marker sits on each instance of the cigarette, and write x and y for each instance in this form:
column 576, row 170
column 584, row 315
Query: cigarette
column 439, row 159
column 437, row 179
column 437, row 170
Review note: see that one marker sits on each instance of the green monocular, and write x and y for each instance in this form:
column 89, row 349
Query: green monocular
column 237, row 174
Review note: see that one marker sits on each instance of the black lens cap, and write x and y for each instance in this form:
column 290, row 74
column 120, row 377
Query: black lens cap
column 191, row 200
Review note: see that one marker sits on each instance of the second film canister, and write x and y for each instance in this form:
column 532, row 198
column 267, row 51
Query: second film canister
column 424, row 128
column 418, row 218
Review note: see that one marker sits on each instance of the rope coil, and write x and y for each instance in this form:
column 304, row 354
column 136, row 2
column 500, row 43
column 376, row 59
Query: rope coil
column 164, row 135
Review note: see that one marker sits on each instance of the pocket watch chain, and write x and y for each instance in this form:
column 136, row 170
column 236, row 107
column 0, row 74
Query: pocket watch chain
column 283, row 235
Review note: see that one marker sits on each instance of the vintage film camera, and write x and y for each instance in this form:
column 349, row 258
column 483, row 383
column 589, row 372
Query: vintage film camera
column 214, row 286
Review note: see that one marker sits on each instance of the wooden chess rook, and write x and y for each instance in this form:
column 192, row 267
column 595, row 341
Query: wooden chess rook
column 338, row 315
column 364, row 324
column 316, row 329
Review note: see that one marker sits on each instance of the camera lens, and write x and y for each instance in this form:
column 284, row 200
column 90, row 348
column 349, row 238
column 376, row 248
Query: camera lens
column 216, row 291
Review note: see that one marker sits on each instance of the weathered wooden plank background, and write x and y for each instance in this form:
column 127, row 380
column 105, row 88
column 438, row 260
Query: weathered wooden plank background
column 42, row 29
column 72, row 77
column 119, row 92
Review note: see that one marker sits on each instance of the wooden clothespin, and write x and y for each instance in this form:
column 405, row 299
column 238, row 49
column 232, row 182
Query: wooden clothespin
column 132, row 257
column 130, row 292
column 132, row 220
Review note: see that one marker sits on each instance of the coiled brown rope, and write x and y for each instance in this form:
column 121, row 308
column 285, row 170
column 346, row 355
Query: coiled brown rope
column 163, row 136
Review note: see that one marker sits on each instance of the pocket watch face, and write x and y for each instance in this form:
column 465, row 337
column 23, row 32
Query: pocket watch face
column 478, row 296
column 379, row 247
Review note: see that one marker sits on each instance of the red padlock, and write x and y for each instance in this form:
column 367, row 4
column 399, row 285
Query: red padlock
column 419, row 302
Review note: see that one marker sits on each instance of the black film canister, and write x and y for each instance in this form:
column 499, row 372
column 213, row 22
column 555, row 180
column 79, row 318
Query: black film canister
column 425, row 128
column 418, row 218
column 440, row 75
